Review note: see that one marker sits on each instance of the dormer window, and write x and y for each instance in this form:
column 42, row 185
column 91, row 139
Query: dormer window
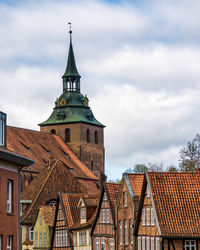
column 83, row 213
column 2, row 129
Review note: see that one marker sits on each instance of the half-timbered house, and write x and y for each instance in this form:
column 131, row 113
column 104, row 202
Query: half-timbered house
column 127, row 206
column 168, row 215
column 104, row 229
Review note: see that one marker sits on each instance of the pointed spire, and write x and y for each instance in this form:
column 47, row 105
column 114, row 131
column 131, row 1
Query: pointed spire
column 71, row 70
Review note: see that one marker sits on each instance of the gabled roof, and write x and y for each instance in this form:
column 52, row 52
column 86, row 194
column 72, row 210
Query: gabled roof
column 56, row 178
column 48, row 214
column 112, row 191
column 72, row 211
column 43, row 148
column 176, row 197
column 136, row 181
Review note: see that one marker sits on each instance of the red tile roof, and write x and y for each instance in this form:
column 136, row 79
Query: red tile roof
column 48, row 214
column 43, row 148
column 177, row 202
column 46, row 186
column 113, row 192
column 136, row 181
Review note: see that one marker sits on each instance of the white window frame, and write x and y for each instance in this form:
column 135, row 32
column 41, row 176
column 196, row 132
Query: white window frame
column 152, row 243
column 143, row 242
column 80, row 238
column 120, row 232
column 36, row 239
column 131, row 230
column 143, row 217
column 157, row 243
column 105, row 196
column 190, row 244
column 152, row 217
column 148, row 192
column 148, row 216
column 75, row 238
column 108, row 215
column 112, row 243
column 45, row 239
column 31, row 234
column 9, row 242
column 125, row 199
column 125, row 232
column 103, row 243
column 9, row 196
column 103, row 215
column 84, row 238
column 97, row 243
column 139, row 243
column 147, row 243
column 83, row 212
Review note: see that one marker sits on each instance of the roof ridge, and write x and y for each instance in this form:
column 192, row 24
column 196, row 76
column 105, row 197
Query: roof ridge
column 42, row 186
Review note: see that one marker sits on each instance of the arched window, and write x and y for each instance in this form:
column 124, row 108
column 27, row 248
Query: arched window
column 53, row 131
column 67, row 135
column 88, row 135
column 96, row 137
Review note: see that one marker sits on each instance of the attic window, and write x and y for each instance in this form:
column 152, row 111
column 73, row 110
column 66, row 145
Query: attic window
column 83, row 213
column 2, row 129
column 48, row 151
column 66, row 154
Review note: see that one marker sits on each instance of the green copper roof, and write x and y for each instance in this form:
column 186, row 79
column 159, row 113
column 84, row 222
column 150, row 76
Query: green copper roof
column 71, row 70
column 71, row 108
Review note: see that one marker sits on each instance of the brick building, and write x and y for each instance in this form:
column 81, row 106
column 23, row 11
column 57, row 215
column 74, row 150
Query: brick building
column 74, row 121
column 169, row 215
column 10, row 167
column 127, row 207
column 104, row 229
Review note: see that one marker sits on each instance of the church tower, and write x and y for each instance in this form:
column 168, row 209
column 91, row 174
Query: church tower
column 73, row 120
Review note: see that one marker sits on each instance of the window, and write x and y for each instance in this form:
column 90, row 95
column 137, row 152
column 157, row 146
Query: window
column 143, row 217
column 53, row 131
column 90, row 238
column 112, row 243
column 97, row 243
column 36, row 239
column 148, row 243
column 152, row 243
column 125, row 199
column 9, row 196
column 45, row 239
column 139, row 243
column 103, row 243
column 75, row 238
column 40, row 239
column 131, row 230
column 96, row 137
column 30, row 234
column 21, row 209
column 105, row 196
column 2, row 129
column 64, row 238
column 84, row 238
column 108, row 215
column 83, row 213
column 9, row 242
column 157, row 243
column 152, row 217
column 61, row 238
column 103, row 216
column 148, row 216
column 120, row 232
column 148, row 192
column 125, row 232
column 143, row 243
column 80, row 239
column 40, row 219
column 67, row 135
column 60, row 215
column 190, row 245
column 88, row 135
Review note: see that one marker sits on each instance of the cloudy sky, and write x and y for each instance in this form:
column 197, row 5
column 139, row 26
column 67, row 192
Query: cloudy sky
column 140, row 67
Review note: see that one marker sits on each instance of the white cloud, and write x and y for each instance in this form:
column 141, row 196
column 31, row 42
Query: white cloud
column 140, row 66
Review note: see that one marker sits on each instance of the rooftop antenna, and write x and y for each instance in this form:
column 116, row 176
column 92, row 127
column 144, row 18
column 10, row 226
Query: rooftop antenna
column 70, row 31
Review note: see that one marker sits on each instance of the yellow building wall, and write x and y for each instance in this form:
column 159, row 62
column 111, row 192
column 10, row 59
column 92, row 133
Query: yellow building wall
column 88, row 245
column 41, row 227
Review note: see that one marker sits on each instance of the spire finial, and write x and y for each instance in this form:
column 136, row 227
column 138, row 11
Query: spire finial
column 70, row 31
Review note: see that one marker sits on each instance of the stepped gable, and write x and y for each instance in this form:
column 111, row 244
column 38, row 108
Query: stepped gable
column 177, row 202
column 56, row 178
column 113, row 193
column 136, row 181
column 72, row 211
column 44, row 148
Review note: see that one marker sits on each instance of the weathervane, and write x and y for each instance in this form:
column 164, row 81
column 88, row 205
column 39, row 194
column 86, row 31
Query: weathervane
column 70, row 31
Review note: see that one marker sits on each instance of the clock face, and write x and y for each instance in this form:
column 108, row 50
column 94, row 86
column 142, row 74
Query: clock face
column 86, row 102
column 62, row 101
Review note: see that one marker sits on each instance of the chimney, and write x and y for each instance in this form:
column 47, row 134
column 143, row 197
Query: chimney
column 2, row 129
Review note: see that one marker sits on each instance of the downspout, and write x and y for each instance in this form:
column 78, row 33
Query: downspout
column 19, row 225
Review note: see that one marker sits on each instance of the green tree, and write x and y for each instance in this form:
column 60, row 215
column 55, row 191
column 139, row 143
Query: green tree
column 190, row 156
column 140, row 168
